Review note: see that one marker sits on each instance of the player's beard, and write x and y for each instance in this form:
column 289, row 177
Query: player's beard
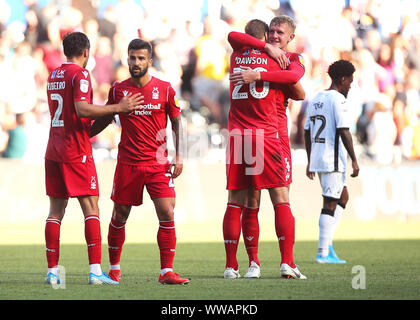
column 138, row 74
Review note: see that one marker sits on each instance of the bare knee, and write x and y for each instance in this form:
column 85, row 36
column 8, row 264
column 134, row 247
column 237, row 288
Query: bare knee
column 120, row 212
column 253, row 198
column 344, row 197
column 89, row 205
column 165, row 208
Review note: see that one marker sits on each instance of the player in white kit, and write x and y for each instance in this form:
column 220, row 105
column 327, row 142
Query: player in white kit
column 328, row 142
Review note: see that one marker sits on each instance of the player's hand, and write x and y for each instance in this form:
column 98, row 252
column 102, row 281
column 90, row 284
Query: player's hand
column 309, row 174
column 247, row 75
column 131, row 102
column 277, row 54
column 355, row 167
column 177, row 167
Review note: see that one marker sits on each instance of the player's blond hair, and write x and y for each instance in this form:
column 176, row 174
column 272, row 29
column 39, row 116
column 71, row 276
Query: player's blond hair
column 284, row 19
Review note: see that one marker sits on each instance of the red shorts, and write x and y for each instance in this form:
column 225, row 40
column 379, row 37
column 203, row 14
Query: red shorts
column 254, row 161
column 129, row 182
column 66, row 180
column 287, row 159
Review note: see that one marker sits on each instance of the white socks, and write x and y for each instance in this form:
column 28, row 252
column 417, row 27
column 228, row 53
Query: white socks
column 338, row 213
column 95, row 268
column 326, row 223
column 163, row 271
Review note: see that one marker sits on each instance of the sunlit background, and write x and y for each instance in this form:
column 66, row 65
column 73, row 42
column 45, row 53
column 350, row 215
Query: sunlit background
column 189, row 37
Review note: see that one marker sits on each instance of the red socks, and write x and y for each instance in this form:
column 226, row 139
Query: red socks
column 166, row 239
column 52, row 241
column 231, row 233
column 116, row 238
column 92, row 235
column 93, row 238
column 251, row 232
column 285, row 230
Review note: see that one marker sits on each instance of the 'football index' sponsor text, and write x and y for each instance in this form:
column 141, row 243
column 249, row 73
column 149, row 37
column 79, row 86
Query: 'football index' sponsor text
column 210, row 309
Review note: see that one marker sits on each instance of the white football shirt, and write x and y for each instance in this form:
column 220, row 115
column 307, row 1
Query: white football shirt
column 325, row 114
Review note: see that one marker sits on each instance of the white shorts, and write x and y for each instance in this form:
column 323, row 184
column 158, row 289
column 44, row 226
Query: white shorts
column 332, row 183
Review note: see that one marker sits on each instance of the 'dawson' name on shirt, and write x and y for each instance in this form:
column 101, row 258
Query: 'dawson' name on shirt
column 251, row 60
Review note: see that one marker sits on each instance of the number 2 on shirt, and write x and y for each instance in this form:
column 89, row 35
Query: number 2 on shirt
column 56, row 122
column 252, row 87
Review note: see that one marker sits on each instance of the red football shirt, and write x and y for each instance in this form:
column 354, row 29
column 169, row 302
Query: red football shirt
column 297, row 67
column 292, row 74
column 69, row 134
column 253, row 106
column 143, row 136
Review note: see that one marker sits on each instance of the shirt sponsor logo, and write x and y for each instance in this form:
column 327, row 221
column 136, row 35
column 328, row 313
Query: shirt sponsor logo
column 146, row 109
column 58, row 74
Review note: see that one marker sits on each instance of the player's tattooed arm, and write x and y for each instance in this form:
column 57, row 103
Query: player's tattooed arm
column 348, row 144
column 178, row 161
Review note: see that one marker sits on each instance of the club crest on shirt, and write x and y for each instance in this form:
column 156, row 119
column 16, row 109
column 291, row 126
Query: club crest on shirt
column 155, row 93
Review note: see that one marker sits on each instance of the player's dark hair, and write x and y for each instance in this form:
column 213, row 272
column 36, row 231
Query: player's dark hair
column 256, row 28
column 74, row 44
column 339, row 69
column 137, row 44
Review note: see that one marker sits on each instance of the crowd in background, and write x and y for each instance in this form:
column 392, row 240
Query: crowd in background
column 189, row 37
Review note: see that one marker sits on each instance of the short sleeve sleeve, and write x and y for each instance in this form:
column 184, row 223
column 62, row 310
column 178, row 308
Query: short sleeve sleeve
column 172, row 107
column 341, row 113
column 82, row 86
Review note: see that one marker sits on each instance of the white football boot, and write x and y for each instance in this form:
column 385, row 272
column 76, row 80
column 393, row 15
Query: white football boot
column 254, row 271
column 287, row 271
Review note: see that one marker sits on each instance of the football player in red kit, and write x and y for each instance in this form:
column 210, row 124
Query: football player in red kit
column 281, row 32
column 142, row 159
column 272, row 176
column 69, row 166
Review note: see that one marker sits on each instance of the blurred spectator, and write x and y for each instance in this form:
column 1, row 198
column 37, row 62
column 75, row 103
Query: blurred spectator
column 382, row 131
column 190, row 51
column 103, row 71
column 16, row 145
column 107, row 26
column 209, row 88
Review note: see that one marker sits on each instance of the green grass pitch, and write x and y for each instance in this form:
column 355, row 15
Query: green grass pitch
column 392, row 272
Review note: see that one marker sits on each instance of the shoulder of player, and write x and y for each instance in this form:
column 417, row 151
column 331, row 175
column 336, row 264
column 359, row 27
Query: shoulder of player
column 76, row 70
column 161, row 85
column 121, row 83
column 160, row 82
column 296, row 57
